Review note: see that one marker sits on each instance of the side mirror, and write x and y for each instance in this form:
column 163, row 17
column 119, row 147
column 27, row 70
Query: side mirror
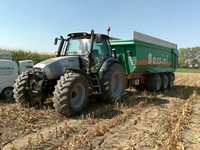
column 98, row 38
column 114, row 53
column 56, row 54
column 56, row 41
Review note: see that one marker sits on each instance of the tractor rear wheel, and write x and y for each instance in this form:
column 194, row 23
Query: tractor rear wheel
column 113, row 83
column 71, row 94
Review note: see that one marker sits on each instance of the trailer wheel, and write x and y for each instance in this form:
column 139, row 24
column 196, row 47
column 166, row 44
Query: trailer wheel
column 7, row 93
column 71, row 94
column 164, row 79
column 154, row 83
column 113, row 83
column 170, row 80
column 20, row 94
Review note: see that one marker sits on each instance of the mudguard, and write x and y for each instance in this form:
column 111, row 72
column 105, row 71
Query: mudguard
column 106, row 65
column 77, row 70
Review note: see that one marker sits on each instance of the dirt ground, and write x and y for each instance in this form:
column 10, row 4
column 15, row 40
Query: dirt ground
column 143, row 121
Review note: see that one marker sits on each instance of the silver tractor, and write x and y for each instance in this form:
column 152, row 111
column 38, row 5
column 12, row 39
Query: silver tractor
column 84, row 66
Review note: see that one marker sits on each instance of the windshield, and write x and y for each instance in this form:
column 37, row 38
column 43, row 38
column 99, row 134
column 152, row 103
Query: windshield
column 5, row 56
column 78, row 46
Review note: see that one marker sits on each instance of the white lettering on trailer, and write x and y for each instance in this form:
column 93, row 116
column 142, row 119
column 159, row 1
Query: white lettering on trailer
column 150, row 58
column 157, row 60
column 130, row 57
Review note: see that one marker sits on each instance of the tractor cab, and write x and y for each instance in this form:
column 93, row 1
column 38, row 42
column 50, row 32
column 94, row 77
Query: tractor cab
column 92, row 49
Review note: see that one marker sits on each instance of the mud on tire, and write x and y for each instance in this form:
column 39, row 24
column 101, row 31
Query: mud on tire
column 71, row 94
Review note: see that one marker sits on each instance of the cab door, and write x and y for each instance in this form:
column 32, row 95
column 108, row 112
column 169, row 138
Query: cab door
column 100, row 52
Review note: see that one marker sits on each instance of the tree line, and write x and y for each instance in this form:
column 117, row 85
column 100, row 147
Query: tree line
column 189, row 57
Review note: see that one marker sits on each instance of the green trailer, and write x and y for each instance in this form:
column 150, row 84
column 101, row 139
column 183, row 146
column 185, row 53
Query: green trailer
column 148, row 62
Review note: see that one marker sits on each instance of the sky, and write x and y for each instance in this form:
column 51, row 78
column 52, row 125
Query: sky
column 34, row 24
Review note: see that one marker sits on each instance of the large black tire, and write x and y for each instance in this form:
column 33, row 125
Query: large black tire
column 7, row 93
column 71, row 94
column 20, row 94
column 113, row 83
column 154, row 83
column 170, row 80
column 165, row 81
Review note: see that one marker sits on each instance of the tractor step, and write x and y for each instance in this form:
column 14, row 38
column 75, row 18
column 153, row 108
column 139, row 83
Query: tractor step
column 96, row 87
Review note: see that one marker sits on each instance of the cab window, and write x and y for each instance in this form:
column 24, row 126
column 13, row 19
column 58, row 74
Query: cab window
column 99, row 53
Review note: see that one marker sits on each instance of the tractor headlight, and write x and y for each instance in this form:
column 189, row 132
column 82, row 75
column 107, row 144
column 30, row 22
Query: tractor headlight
column 38, row 69
column 36, row 86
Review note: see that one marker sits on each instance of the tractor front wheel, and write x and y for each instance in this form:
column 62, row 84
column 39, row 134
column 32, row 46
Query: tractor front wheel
column 20, row 94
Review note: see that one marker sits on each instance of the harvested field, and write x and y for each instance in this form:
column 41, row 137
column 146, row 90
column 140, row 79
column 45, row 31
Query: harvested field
column 164, row 120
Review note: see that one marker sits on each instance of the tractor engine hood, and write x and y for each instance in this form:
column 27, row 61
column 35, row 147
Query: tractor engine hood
column 56, row 67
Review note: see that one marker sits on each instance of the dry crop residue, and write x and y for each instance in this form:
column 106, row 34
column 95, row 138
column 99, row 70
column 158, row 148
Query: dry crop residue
column 164, row 120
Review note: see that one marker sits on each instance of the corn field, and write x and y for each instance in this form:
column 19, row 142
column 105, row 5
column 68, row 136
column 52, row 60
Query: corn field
column 20, row 54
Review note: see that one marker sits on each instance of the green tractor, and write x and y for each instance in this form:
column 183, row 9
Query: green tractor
column 84, row 66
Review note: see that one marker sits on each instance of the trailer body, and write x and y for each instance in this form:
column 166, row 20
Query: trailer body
column 145, row 55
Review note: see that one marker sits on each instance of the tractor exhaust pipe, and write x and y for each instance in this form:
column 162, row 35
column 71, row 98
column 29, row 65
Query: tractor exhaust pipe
column 90, row 54
column 60, row 46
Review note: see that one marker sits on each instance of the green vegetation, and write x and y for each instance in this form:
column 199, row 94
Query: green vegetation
column 189, row 57
column 188, row 70
column 19, row 54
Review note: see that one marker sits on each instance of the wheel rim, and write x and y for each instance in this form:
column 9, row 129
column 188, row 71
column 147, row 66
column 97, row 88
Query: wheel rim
column 116, row 83
column 78, row 95
column 8, row 93
column 158, row 83
column 165, row 82
column 171, row 81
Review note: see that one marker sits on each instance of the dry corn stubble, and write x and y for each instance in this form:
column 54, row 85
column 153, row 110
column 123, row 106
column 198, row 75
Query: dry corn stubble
column 16, row 121
column 97, row 123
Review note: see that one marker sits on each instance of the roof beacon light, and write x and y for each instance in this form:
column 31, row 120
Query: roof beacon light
column 108, row 29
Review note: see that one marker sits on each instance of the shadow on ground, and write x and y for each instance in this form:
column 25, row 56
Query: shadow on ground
column 181, row 91
column 178, row 91
column 7, row 101
column 135, row 100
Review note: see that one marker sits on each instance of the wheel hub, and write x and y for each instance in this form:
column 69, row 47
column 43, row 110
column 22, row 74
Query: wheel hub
column 78, row 95
column 8, row 93
column 74, row 94
column 158, row 84
column 116, row 83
